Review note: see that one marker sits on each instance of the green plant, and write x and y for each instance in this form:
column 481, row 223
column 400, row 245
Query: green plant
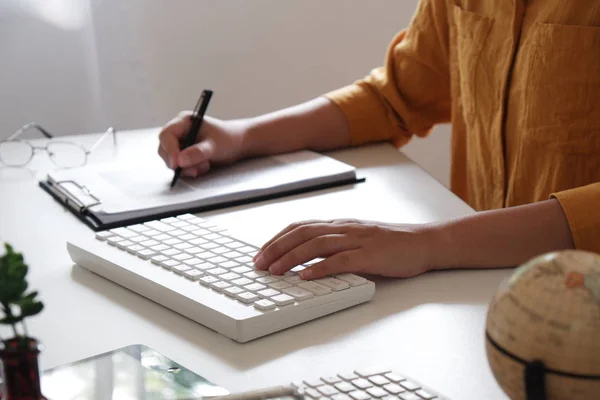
column 15, row 304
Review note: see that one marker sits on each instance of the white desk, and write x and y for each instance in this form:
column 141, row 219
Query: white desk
column 430, row 327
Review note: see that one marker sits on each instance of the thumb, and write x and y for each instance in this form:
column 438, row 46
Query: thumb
column 196, row 154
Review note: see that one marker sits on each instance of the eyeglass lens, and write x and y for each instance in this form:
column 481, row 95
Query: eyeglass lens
column 15, row 153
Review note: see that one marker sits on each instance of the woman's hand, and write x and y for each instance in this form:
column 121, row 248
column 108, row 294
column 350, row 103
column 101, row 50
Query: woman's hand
column 218, row 142
column 394, row 250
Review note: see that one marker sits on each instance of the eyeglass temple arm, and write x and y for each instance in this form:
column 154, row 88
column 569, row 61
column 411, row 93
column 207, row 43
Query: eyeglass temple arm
column 108, row 132
column 26, row 127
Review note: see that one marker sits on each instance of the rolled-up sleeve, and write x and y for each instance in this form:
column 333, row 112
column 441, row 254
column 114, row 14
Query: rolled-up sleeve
column 411, row 92
column 582, row 209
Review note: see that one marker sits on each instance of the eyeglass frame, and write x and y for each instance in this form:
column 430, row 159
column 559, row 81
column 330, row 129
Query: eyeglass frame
column 48, row 135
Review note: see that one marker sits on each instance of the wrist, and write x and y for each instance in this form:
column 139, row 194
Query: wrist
column 441, row 251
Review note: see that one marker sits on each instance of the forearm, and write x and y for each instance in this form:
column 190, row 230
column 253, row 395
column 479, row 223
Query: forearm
column 501, row 238
column 316, row 125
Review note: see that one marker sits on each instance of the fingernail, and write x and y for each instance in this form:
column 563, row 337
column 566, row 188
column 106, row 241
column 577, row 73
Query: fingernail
column 306, row 274
column 274, row 270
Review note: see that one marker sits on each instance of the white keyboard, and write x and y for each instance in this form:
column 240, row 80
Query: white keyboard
column 364, row 384
column 194, row 268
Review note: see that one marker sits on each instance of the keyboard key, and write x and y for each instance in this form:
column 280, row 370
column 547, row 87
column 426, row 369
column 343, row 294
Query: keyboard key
column 209, row 246
column 160, row 247
column 158, row 259
column 168, row 264
column 350, row 376
column 219, row 286
column 334, row 284
column 268, row 293
column 149, row 243
column 194, row 250
column 280, row 285
column 242, row 282
column 205, row 255
column 255, row 287
column 244, row 259
column 312, row 393
column 188, row 227
column 207, row 280
column 344, row 387
column 220, row 250
column 359, row 395
column 204, row 266
column 180, row 269
column 230, row 276
column 409, row 396
column 223, row 240
column 247, row 297
column 170, row 252
column 282, row 299
column 187, row 237
column 232, row 254
column 124, row 232
column 327, row 390
column 177, row 232
column 160, row 237
column 124, row 244
column 217, row 271
column 267, row 279
column 247, row 249
column 197, row 241
column 293, row 279
column 201, row 232
column 146, row 254
column 217, row 260
column 362, row 383
column 377, row 392
column 158, row 226
column 135, row 248
column 331, row 379
column 394, row 377
column 232, row 291
column 235, row 245
column 169, row 220
column 351, row 279
column 409, row 385
column 212, row 236
column 394, row 388
column 103, row 235
column 183, row 246
column 172, row 241
column 182, row 257
column 264, row 305
column 139, row 228
column 229, row 264
column 255, row 274
column 140, row 239
column 298, row 293
column 341, row 396
column 379, row 380
column 179, row 224
column 153, row 233
column 371, row 371
column 241, row 270
column 193, row 274
column 186, row 216
column 315, row 288
column 425, row 394
column 314, row 383
column 193, row 261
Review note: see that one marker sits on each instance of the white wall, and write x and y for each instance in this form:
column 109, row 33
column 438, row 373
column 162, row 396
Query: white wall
column 79, row 65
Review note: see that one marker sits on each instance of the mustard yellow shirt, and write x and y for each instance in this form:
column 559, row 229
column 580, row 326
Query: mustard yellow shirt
column 520, row 83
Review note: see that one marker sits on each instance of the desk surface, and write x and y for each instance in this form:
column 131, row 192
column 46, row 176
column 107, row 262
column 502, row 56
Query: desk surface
column 430, row 327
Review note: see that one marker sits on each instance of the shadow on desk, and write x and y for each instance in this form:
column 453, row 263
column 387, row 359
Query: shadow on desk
column 392, row 297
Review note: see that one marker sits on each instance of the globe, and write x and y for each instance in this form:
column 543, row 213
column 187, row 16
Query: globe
column 543, row 329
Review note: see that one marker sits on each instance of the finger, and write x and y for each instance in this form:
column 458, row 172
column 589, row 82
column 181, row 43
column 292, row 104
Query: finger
column 196, row 154
column 347, row 261
column 284, row 231
column 171, row 134
column 291, row 240
column 322, row 246
column 197, row 170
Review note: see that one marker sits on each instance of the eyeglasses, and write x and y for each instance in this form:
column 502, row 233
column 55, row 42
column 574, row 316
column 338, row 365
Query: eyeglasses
column 64, row 154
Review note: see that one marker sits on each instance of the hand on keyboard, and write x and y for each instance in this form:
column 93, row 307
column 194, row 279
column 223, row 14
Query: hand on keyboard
column 395, row 250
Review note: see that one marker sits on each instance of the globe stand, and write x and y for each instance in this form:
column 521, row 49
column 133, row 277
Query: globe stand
column 535, row 385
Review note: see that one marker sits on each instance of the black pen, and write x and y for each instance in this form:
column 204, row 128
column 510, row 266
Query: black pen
column 197, row 118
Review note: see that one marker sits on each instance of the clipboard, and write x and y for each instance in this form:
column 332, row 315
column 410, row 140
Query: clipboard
column 86, row 205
